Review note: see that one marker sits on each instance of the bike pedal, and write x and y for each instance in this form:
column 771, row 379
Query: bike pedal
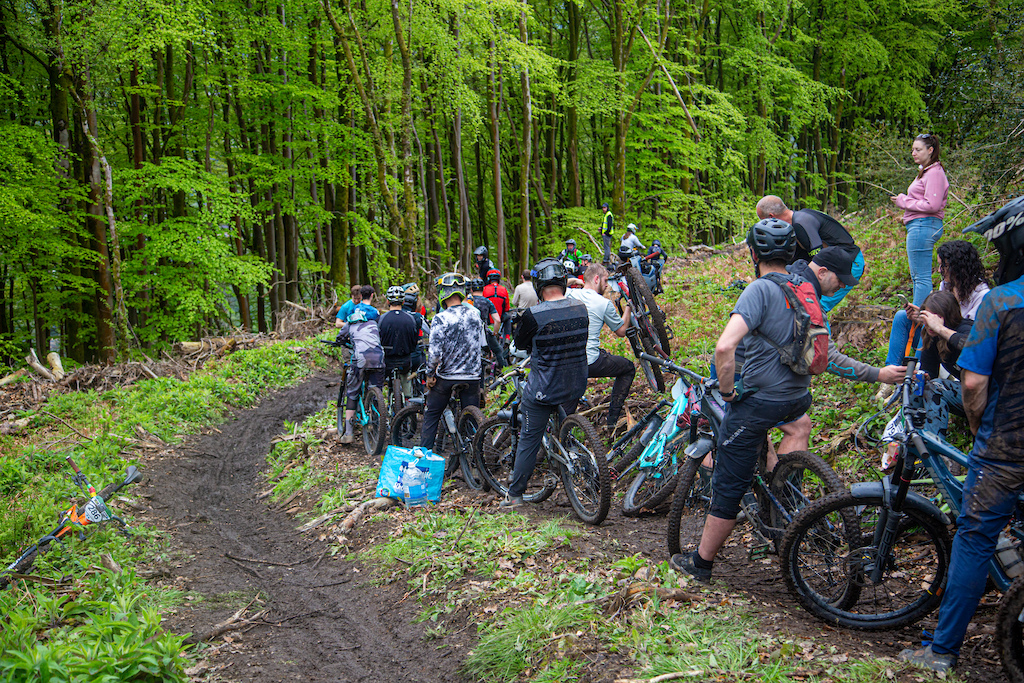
column 759, row 552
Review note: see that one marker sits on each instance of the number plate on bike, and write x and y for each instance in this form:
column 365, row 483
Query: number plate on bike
column 96, row 510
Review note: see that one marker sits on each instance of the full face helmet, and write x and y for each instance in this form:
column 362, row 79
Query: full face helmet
column 449, row 285
column 1005, row 230
column 549, row 272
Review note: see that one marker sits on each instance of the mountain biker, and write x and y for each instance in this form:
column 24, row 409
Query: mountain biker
column 400, row 336
column 570, row 253
column 498, row 295
column 781, row 394
column 585, row 262
column 412, row 297
column 456, row 337
column 490, row 318
column 483, row 264
column 367, row 364
column 815, row 230
column 630, row 239
column 524, row 295
column 656, row 256
column 555, row 333
column 600, row 363
column 992, row 365
column 607, row 230
column 350, row 305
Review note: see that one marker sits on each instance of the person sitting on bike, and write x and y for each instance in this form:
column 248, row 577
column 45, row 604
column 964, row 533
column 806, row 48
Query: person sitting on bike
column 570, row 253
column 656, row 256
column 491, row 319
column 554, row 331
column 630, row 239
column 524, row 295
column 400, row 338
column 781, row 395
column 816, row 230
column 366, row 365
column 992, row 379
column 483, row 264
column 498, row 295
column 456, row 337
column 600, row 363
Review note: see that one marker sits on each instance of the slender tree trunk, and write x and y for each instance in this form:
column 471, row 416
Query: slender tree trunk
column 524, row 165
column 494, row 102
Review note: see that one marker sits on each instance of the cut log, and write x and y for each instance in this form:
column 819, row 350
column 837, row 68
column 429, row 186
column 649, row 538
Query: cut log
column 33, row 362
column 56, row 367
column 357, row 515
column 16, row 375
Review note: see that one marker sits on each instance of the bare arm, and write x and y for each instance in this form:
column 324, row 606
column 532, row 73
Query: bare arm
column 627, row 315
column 725, row 351
column 975, row 392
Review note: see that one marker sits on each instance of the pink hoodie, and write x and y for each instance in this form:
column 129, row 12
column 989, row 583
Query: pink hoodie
column 926, row 196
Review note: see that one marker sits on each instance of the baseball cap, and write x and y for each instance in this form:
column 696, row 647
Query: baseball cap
column 839, row 261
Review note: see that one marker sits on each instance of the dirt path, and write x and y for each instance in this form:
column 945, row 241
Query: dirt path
column 339, row 627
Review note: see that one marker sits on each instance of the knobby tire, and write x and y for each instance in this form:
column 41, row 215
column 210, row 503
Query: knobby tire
column 641, row 294
column 589, row 488
column 1010, row 632
column 375, row 432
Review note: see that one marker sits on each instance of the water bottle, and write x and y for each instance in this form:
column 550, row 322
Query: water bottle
column 919, row 383
column 1009, row 556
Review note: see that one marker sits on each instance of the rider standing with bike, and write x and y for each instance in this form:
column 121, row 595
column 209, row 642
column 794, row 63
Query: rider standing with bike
column 400, row 337
column 768, row 393
column 367, row 363
column 600, row 363
column 555, row 333
column 456, row 337
column 992, row 365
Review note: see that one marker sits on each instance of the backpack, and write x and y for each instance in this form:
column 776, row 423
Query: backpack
column 807, row 353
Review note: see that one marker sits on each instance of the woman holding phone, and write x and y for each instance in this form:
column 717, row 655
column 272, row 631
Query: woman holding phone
column 924, row 207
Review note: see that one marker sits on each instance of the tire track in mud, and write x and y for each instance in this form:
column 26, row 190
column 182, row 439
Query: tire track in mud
column 340, row 627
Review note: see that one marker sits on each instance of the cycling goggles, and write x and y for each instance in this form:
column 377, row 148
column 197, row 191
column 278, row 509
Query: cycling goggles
column 550, row 271
column 451, row 280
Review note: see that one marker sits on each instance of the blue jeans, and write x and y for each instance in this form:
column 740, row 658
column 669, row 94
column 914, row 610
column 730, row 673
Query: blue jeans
column 922, row 234
column 898, row 337
column 831, row 301
column 990, row 496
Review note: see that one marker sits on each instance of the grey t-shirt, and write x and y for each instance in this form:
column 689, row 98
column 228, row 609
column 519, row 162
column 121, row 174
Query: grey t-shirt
column 763, row 308
column 601, row 312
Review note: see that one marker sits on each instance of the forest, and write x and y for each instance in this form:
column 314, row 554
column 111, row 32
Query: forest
column 173, row 169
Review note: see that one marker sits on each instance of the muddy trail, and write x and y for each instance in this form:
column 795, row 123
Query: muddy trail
column 325, row 620
column 328, row 622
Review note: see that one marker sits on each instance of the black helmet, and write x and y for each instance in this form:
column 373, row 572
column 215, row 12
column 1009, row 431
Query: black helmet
column 570, row 241
column 481, row 251
column 625, row 252
column 1005, row 230
column 395, row 294
column 658, row 242
column 772, row 240
column 476, row 285
column 549, row 272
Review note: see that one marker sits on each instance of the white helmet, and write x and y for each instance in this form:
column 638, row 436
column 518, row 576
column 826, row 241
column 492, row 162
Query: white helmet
column 631, row 228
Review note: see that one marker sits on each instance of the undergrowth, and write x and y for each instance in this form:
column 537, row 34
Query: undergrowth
column 76, row 621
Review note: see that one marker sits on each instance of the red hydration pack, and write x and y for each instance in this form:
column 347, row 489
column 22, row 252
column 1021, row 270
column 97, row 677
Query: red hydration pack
column 498, row 296
column 807, row 353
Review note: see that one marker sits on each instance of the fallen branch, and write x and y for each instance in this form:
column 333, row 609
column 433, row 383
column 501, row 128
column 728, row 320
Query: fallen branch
column 312, row 524
column 357, row 515
column 232, row 623
column 65, row 423
column 674, row 676
column 628, row 594
column 248, row 569
column 56, row 367
column 33, row 362
column 304, row 309
column 16, row 375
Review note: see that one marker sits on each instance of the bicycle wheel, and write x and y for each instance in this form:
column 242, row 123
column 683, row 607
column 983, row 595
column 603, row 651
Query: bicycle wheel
column 653, row 485
column 494, row 446
column 800, row 478
column 828, row 551
column 586, row 478
column 618, row 465
column 341, row 408
column 659, row 378
column 20, row 567
column 469, row 424
column 406, row 425
column 690, row 505
column 375, row 431
column 1010, row 632
column 641, row 295
column 396, row 400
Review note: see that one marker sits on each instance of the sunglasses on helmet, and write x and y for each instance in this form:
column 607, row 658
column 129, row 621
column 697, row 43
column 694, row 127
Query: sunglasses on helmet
column 451, row 280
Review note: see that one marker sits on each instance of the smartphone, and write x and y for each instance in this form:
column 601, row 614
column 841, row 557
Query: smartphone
column 903, row 299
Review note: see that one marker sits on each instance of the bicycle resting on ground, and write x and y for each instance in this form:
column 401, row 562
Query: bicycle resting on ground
column 775, row 496
column 877, row 556
column 93, row 512
column 571, row 451
column 371, row 408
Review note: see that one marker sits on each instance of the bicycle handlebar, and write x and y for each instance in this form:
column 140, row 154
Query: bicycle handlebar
column 517, row 369
column 672, row 367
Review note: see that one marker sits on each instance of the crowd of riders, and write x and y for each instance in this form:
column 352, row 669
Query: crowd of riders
column 968, row 334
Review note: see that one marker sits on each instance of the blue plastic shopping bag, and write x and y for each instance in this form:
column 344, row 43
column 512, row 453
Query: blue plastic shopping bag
column 411, row 475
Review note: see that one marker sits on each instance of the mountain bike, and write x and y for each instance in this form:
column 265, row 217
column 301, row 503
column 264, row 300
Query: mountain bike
column 371, row 408
column 773, row 499
column 877, row 556
column 648, row 332
column 94, row 512
column 658, row 462
column 454, row 439
column 571, row 450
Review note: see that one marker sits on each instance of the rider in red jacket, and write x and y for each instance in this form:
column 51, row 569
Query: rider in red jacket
column 499, row 297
